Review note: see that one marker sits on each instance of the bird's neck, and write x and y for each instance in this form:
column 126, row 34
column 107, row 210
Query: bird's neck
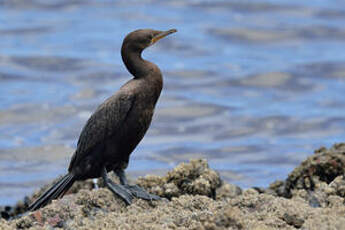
column 145, row 70
column 135, row 64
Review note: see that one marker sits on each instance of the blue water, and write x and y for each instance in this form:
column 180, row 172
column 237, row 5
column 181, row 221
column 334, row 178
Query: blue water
column 253, row 86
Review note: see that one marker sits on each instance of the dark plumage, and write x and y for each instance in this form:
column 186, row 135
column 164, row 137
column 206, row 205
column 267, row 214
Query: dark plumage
column 117, row 126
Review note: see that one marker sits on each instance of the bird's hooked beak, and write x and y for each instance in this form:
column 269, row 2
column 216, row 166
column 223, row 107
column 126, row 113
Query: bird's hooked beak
column 161, row 35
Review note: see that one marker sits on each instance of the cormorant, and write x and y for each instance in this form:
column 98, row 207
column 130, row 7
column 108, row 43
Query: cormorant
column 117, row 126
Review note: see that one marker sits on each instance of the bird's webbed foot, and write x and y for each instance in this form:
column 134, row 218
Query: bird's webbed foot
column 117, row 189
column 139, row 192
column 135, row 190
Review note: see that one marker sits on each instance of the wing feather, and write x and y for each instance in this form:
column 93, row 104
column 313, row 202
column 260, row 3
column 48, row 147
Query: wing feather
column 102, row 124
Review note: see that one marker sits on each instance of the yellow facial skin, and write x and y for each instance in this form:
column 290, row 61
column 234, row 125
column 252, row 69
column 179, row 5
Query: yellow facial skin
column 162, row 35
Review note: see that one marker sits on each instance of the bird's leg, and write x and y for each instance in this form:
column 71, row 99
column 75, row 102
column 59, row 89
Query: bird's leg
column 136, row 190
column 117, row 189
column 122, row 176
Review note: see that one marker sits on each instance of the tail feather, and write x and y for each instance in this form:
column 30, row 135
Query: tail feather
column 56, row 191
column 63, row 188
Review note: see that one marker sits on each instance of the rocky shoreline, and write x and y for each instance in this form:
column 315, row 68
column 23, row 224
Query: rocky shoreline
column 312, row 197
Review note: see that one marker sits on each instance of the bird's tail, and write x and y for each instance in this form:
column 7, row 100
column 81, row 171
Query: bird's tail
column 54, row 192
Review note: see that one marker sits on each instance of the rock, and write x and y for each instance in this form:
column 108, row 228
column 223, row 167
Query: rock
column 198, row 199
column 338, row 186
column 323, row 166
column 228, row 191
column 194, row 178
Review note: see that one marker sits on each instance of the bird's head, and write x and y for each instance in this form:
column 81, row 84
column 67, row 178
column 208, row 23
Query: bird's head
column 138, row 40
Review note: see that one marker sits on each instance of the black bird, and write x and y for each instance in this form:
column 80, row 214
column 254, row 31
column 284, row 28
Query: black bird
column 117, row 126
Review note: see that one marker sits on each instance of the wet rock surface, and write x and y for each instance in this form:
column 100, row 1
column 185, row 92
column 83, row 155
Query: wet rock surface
column 312, row 197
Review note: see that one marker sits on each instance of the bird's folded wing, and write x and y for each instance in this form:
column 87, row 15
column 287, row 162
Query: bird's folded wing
column 106, row 120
